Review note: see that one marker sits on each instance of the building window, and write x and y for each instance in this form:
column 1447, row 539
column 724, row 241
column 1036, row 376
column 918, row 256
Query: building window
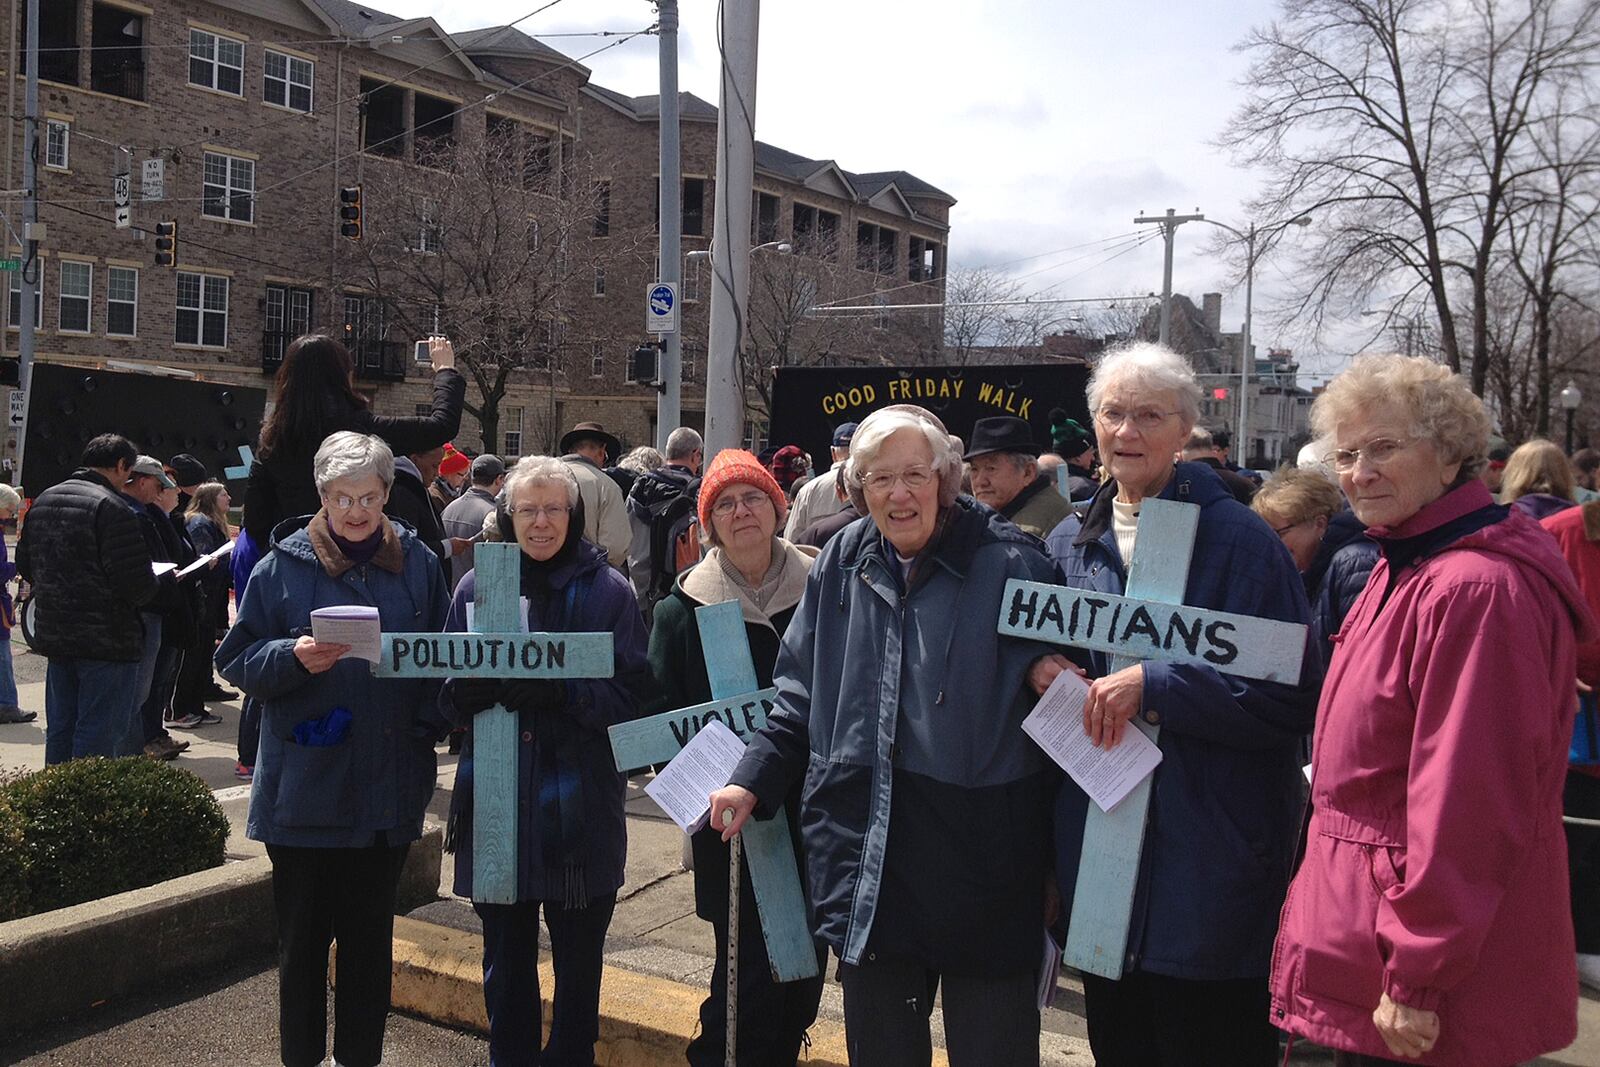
column 77, row 282
column 435, row 129
column 14, row 310
column 690, row 362
column 599, row 281
column 602, row 209
column 816, row 232
column 122, row 301
column 202, row 310
column 533, row 235
column 57, row 142
column 430, row 235
column 216, row 62
column 230, row 187
column 597, row 360
column 691, row 279
column 512, row 435
column 116, row 39
column 286, row 81
column 286, row 316
column 59, row 27
column 383, row 118
column 764, row 219
column 875, row 247
column 694, row 207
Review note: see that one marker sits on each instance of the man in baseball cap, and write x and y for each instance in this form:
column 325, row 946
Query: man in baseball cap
column 817, row 499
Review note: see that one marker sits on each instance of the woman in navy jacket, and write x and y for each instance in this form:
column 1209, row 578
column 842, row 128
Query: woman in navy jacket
column 1225, row 799
column 571, row 835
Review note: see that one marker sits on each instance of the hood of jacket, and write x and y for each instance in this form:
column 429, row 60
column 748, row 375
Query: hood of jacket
column 707, row 583
column 1343, row 528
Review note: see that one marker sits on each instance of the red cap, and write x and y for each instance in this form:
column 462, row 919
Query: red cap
column 453, row 462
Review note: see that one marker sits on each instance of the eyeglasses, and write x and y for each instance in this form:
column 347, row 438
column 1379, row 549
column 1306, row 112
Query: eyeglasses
column 533, row 511
column 1144, row 420
column 1376, row 453
column 727, row 505
column 913, row 478
column 1281, row 530
column 343, row 502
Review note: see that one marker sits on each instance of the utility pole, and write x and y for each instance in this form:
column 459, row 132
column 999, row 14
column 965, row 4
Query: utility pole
column 669, row 402
column 1241, row 454
column 31, row 266
column 730, row 257
column 1169, row 224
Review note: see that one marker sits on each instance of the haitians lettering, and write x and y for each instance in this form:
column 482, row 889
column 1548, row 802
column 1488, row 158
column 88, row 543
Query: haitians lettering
column 1142, row 629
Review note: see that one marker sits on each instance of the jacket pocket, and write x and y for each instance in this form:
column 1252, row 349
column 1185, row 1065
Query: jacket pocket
column 314, row 787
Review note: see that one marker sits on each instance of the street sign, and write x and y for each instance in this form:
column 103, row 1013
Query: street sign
column 661, row 308
column 153, row 185
column 121, row 195
column 16, row 407
column 10, row 264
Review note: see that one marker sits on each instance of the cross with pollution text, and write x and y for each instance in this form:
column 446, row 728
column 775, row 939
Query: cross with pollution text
column 1150, row 623
column 768, row 848
column 498, row 647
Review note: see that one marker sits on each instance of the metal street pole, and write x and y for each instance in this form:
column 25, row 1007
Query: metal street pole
column 1246, row 361
column 730, row 259
column 1169, row 224
column 31, row 265
column 669, row 402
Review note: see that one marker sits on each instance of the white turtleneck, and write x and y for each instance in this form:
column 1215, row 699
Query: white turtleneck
column 1124, row 524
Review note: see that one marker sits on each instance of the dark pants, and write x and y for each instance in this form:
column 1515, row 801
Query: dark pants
column 1581, row 799
column 249, row 731
column 323, row 895
column 773, row 1016
column 194, row 676
column 87, row 706
column 162, row 684
column 988, row 1022
column 1150, row 1020
column 511, row 980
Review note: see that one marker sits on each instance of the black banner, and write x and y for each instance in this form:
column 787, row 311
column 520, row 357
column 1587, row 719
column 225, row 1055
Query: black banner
column 809, row 402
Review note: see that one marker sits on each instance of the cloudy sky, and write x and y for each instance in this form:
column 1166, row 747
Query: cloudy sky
column 1053, row 122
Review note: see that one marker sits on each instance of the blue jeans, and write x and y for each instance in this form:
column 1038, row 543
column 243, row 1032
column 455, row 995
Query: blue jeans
column 133, row 735
column 8, row 677
column 88, row 705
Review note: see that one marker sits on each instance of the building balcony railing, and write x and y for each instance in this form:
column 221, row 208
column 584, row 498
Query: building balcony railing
column 382, row 361
column 124, row 79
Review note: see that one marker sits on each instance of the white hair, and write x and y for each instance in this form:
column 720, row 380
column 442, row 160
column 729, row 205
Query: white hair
column 536, row 470
column 882, row 424
column 10, row 499
column 1147, row 366
column 348, row 454
column 684, row 442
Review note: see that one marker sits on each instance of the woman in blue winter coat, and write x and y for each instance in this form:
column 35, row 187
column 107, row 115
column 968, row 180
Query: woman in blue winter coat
column 571, row 836
column 1225, row 798
column 346, row 763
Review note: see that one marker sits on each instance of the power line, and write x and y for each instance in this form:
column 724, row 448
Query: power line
column 282, row 268
column 249, row 45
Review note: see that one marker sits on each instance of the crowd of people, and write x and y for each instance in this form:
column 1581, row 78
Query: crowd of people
column 1417, row 901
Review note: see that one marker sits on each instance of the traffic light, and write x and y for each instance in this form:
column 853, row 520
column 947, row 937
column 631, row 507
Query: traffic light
column 350, row 212
column 1219, row 394
column 167, row 244
column 645, row 366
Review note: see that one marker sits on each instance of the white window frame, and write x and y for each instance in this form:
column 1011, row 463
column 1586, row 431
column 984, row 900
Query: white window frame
column 85, row 298
column 287, row 84
column 14, row 321
column 597, row 359
column 209, row 284
column 52, row 128
column 599, row 281
column 111, row 274
column 691, row 279
column 430, row 235
column 215, row 41
column 239, row 180
column 512, row 439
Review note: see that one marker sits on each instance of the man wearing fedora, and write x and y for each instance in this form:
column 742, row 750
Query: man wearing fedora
column 1005, row 475
column 585, row 450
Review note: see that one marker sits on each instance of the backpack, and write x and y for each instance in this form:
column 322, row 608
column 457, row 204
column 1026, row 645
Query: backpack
column 674, row 538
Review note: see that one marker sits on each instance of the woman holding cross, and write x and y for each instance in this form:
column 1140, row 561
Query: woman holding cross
column 571, row 840
column 1221, row 827
column 741, row 509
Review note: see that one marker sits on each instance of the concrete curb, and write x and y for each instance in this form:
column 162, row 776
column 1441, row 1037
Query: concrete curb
column 62, row 963
column 644, row 1021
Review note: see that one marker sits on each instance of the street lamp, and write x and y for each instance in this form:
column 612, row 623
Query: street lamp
column 1571, row 397
column 1245, row 359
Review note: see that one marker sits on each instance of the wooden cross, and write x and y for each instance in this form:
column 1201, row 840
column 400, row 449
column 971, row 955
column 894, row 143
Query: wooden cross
column 767, row 844
column 1150, row 622
column 498, row 647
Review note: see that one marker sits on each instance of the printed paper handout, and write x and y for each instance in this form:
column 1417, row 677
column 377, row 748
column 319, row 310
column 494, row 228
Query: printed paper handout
column 683, row 788
column 1056, row 725
column 356, row 625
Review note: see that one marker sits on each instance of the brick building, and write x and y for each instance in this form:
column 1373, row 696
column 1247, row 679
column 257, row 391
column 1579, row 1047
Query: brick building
column 261, row 111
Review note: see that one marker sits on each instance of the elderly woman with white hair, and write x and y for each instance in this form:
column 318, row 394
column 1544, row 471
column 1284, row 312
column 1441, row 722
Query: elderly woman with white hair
column 571, row 841
column 1220, row 837
column 346, row 764
column 925, row 818
column 10, row 503
column 1429, row 921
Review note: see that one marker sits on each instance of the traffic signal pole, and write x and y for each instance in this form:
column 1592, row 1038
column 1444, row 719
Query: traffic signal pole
column 669, row 402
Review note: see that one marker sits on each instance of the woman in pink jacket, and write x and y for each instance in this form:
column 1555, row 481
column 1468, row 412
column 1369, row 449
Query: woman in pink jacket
column 1429, row 919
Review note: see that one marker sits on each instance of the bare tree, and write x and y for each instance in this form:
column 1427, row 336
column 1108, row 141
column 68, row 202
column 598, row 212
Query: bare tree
column 987, row 311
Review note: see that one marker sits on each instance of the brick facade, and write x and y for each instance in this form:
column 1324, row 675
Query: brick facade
column 135, row 89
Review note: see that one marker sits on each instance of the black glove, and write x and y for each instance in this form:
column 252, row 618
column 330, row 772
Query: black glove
column 533, row 694
column 472, row 695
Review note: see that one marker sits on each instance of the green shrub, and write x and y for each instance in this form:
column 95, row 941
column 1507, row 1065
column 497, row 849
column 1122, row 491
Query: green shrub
column 95, row 827
column 13, row 864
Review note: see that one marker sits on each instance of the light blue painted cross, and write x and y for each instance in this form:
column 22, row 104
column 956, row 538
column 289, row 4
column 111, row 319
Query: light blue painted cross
column 768, row 848
column 498, row 647
column 1150, row 622
column 246, row 457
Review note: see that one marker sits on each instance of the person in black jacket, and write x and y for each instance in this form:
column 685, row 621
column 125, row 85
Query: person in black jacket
column 314, row 395
column 83, row 554
column 175, row 607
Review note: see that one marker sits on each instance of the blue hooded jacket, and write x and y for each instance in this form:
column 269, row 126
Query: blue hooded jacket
column 380, row 777
column 1225, row 804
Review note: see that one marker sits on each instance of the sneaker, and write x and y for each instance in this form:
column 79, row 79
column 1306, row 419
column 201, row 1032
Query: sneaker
column 186, row 722
column 243, row 773
column 15, row 714
column 208, row 719
column 1589, row 970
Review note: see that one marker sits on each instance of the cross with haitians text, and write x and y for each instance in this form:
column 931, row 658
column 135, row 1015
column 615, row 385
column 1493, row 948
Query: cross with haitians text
column 1150, row 623
column 498, row 647
column 767, row 845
